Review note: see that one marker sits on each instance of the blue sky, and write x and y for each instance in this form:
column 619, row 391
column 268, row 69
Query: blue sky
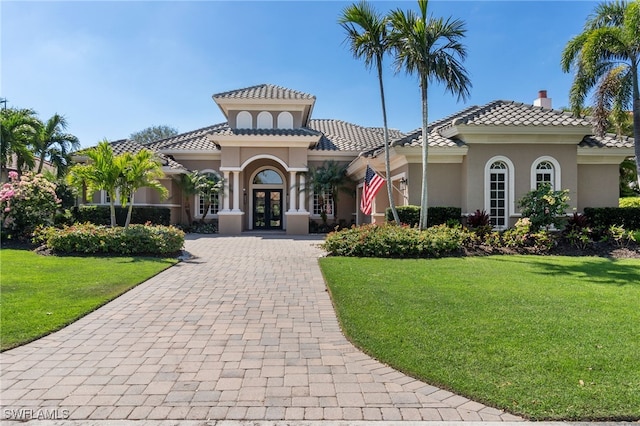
column 113, row 68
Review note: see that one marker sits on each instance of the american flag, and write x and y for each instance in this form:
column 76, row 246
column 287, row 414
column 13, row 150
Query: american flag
column 372, row 183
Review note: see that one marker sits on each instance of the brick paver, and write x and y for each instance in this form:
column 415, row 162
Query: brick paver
column 244, row 330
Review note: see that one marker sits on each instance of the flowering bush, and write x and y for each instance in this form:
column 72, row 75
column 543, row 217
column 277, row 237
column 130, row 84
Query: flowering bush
column 544, row 207
column 27, row 201
column 89, row 238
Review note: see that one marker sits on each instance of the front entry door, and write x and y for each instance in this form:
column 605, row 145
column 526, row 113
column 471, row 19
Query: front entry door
column 267, row 209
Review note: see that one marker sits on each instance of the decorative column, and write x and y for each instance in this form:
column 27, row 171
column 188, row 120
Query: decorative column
column 302, row 193
column 236, row 191
column 225, row 192
column 293, row 194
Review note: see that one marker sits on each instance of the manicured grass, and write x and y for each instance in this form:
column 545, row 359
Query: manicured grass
column 41, row 294
column 550, row 338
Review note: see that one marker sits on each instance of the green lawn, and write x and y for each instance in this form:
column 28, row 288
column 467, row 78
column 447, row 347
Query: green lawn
column 41, row 294
column 550, row 338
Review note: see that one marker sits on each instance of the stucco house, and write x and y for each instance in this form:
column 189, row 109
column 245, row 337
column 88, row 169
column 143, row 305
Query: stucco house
column 483, row 157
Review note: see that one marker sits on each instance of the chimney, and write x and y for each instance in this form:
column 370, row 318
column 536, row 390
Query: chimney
column 542, row 100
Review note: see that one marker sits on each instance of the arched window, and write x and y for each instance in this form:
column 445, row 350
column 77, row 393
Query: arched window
column 244, row 120
column 267, row 176
column 214, row 199
column 545, row 170
column 265, row 120
column 499, row 191
column 285, row 120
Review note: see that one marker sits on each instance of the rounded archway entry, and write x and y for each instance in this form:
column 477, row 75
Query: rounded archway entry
column 267, row 195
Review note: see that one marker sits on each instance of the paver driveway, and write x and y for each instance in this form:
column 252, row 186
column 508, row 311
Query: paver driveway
column 244, row 330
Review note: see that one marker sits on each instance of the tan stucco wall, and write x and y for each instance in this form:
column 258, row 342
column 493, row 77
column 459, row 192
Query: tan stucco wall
column 522, row 156
column 599, row 185
column 444, row 183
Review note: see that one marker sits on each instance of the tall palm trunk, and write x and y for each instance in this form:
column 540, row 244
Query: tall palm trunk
column 636, row 115
column 425, row 154
column 387, row 155
column 128, row 221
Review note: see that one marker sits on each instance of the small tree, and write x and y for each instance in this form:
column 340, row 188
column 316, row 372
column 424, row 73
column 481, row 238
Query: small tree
column 140, row 170
column 210, row 185
column 102, row 172
column 189, row 183
column 329, row 180
column 544, row 207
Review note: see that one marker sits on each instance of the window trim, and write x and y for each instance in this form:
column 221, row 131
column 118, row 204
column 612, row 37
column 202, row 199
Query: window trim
column 196, row 204
column 510, row 192
column 312, row 204
column 557, row 184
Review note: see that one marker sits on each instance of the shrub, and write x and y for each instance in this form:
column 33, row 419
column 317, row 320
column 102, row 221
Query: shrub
column 410, row 215
column 389, row 240
column 629, row 202
column 544, row 207
column 27, row 202
column 479, row 222
column 100, row 215
column 89, row 238
column 604, row 217
column 523, row 236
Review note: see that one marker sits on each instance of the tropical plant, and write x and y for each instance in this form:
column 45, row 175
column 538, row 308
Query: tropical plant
column 17, row 130
column 209, row 186
column 153, row 133
column 629, row 186
column 431, row 48
column 328, row 180
column 606, row 58
column 50, row 142
column 140, row 170
column 189, row 184
column 367, row 38
column 101, row 173
column 544, row 207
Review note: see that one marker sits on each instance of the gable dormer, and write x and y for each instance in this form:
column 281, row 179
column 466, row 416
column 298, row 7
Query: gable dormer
column 265, row 106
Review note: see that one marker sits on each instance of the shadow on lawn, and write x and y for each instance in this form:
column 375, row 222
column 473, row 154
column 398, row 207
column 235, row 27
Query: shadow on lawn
column 595, row 270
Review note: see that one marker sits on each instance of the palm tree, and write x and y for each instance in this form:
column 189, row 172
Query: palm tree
column 327, row 181
column 606, row 58
column 140, row 170
column 51, row 142
column 208, row 185
column 189, row 184
column 367, row 37
column 101, row 173
column 17, row 130
column 431, row 48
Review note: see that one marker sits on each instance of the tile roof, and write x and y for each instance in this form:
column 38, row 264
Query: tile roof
column 263, row 91
column 339, row 135
column 127, row 145
column 194, row 140
column 607, row 141
column 509, row 113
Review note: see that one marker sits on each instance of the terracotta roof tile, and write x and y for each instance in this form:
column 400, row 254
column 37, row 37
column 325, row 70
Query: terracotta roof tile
column 263, row 91
column 127, row 145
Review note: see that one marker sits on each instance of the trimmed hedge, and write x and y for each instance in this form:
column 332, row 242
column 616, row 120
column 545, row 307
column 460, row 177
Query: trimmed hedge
column 410, row 215
column 100, row 215
column 89, row 238
column 630, row 202
column 605, row 217
column 389, row 240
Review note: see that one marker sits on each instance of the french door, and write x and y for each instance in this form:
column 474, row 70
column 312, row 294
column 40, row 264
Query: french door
column 267, row 209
